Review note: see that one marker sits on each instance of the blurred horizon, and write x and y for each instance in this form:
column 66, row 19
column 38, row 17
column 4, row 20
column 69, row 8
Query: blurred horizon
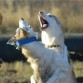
column 69, row 12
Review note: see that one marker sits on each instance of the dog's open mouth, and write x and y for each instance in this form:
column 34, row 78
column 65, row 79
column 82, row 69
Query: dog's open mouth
column 44, row 23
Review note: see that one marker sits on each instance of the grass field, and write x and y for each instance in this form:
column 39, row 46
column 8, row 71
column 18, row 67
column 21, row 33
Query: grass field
column 17, row 72
column 20, row 72
column 69, row 12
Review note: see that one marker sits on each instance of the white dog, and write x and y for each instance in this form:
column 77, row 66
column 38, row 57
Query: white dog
column 47, row 64
column 52, row 37
column 41, row 59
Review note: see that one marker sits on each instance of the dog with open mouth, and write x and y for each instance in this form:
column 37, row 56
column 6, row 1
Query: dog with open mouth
column 41, row 59
column 53, row 39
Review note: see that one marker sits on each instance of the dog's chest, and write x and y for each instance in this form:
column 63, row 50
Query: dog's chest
column 40, row 65
column 42, row 71
column 26, row 52
column 42, row 74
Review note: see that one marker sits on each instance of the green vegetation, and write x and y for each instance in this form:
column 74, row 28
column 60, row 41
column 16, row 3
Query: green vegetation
column 69, row 12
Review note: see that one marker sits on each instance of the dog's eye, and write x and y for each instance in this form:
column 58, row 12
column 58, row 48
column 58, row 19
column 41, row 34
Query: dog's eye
column 50, row 15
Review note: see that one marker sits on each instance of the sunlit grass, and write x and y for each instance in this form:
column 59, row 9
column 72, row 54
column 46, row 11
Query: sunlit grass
column 78, row 68
column 20, row 72
column 15, row 72
column 71, row 20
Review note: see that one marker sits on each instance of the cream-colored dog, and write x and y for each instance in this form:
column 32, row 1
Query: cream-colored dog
column 52, row 37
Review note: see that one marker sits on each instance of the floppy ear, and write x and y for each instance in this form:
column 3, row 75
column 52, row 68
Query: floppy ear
column 23, row 33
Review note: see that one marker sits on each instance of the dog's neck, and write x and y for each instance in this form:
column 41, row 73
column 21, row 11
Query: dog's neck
column 26, row 40
column 51, row 40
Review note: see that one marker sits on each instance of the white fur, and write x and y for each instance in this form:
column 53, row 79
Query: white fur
column 49, row 65
column 43, row 59
column 53, row 35
column 24, row 25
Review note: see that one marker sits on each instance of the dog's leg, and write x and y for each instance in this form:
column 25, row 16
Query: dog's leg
column 32, row 79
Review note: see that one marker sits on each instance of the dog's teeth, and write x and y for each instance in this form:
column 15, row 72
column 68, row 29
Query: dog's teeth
column 44, row 25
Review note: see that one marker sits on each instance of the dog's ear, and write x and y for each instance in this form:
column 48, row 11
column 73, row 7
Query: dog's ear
column 23, row 33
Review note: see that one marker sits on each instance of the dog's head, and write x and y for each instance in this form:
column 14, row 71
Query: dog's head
column 20, row 34
column 48, row 21
column 51, row 28
column 24, row 31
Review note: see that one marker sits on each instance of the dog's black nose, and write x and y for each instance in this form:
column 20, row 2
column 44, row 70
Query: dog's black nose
column 22, row 18
column 41, row 12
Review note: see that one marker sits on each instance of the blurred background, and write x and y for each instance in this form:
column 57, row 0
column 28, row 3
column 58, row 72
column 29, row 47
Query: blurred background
column 13, row 65
column 70, row 13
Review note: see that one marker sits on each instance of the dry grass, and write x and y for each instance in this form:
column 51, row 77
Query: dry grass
column 78, row 68
column 70, row 13
column 20, row 72
column 17, row 72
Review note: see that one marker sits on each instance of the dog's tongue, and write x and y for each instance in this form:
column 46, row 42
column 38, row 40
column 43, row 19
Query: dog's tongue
column 44, row 25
